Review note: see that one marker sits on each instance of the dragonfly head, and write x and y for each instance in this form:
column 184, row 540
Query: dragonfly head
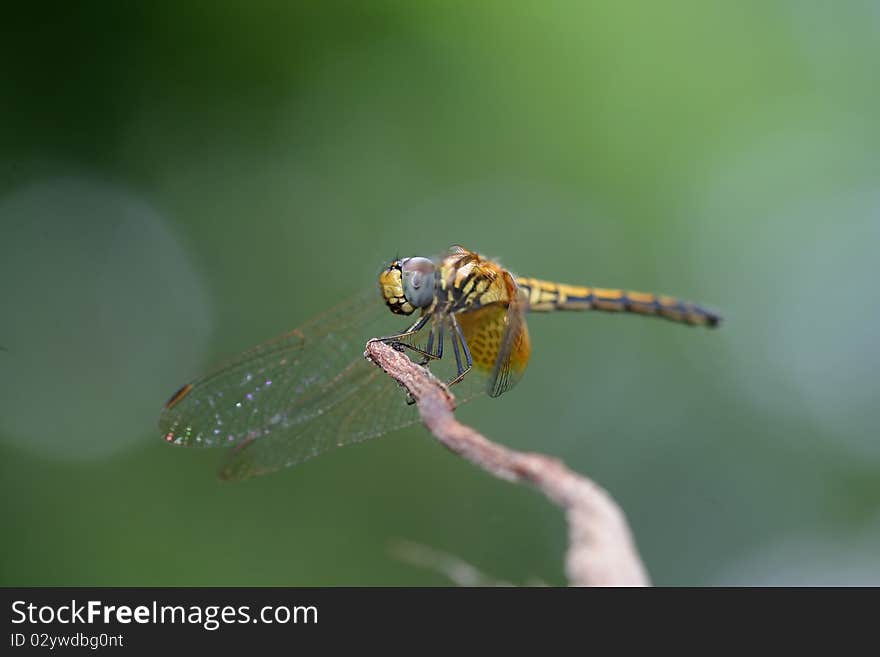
column 408, row 284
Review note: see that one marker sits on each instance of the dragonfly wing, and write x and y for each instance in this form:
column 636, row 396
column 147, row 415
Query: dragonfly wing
column 281, row 402
column 362, row 403
column 516, row 346
column 498, row 339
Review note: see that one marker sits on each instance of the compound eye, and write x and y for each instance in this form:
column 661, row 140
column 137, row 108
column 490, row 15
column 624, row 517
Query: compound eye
column 418, row 281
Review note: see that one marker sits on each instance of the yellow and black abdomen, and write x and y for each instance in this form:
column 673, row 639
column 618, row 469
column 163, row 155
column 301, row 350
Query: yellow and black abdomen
column 546, row 296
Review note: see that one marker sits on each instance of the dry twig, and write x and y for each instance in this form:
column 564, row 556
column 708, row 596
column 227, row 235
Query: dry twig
column 601, row 551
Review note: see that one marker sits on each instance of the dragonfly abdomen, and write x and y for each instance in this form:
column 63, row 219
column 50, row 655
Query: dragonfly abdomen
column 547, row 296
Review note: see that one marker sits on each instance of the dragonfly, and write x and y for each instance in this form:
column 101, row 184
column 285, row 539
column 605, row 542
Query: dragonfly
column 292, row 398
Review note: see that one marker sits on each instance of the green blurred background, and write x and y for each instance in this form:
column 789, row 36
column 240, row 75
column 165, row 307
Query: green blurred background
column 179, row 181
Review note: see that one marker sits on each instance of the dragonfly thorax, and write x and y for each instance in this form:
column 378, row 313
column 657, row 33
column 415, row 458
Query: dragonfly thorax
column 408, row 284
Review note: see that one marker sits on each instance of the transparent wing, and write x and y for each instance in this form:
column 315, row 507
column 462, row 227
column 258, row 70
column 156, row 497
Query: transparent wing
column 294, row 397
column 362, row 403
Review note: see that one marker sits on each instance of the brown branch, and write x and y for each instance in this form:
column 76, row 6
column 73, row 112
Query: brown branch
column 601, row 551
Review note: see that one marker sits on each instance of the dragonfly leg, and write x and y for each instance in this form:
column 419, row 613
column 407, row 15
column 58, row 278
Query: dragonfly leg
column 397, row 340
column 428, row 354
column 437, row 355
column 458, row 338
column 457, row 352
